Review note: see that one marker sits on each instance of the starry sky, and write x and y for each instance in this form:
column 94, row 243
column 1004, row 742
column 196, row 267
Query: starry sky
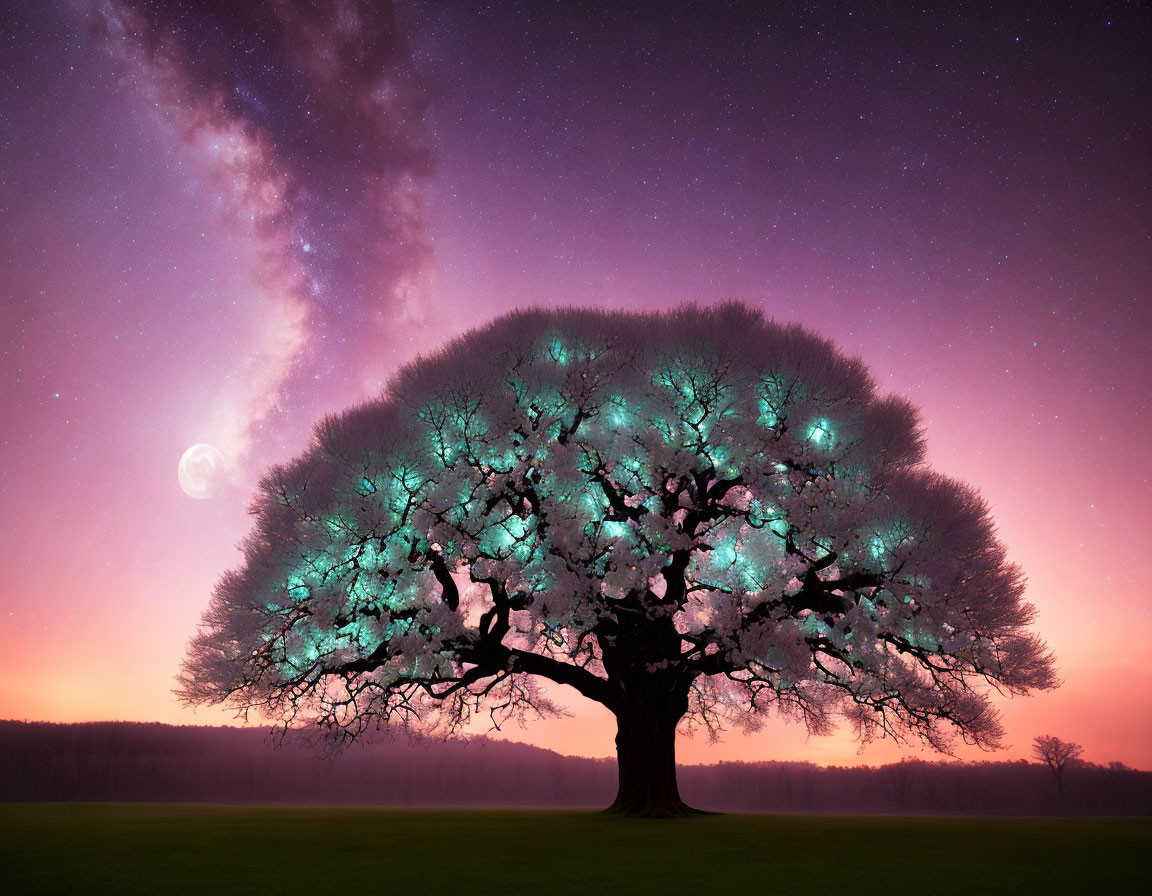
column 218, row 225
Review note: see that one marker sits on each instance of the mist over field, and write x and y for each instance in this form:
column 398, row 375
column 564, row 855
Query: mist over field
column 112, row 761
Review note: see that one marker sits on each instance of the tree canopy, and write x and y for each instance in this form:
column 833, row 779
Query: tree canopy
column 690, row 516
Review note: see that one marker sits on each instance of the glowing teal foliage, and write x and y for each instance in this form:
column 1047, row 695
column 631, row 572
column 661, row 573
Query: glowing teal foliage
column 724, row 553
column 820, row 432
column 559, row 352
column 614, row 529
column 619, row 415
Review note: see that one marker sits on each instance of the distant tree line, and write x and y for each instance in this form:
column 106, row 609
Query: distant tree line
column 154, row 762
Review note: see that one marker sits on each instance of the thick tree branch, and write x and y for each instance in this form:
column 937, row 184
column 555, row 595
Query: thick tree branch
column 450, row 593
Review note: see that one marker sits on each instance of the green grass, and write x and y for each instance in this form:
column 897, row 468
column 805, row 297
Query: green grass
column 126, row 848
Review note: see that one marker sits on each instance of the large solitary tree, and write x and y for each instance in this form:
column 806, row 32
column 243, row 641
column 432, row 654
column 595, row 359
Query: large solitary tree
column 691, row 517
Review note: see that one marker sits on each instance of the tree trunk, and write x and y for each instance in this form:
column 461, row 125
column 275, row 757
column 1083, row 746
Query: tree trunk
column 646, row 757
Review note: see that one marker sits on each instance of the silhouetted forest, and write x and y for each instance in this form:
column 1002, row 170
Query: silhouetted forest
column 154, row 762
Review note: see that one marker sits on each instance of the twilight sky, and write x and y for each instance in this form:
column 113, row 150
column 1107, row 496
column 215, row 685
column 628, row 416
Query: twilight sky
column 217, row 226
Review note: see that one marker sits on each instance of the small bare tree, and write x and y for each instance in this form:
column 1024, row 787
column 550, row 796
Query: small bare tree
column 1057, row 755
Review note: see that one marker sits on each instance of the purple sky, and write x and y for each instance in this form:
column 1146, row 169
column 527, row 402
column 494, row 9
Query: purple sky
column 215, row 227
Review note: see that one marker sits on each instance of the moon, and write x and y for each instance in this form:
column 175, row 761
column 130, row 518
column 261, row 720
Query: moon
column 201, row 471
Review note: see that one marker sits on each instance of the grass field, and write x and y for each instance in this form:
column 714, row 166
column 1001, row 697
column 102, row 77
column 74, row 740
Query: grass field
column 127, row 848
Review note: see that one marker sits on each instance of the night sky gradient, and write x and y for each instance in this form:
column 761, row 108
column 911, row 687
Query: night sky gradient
column 216, row 226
